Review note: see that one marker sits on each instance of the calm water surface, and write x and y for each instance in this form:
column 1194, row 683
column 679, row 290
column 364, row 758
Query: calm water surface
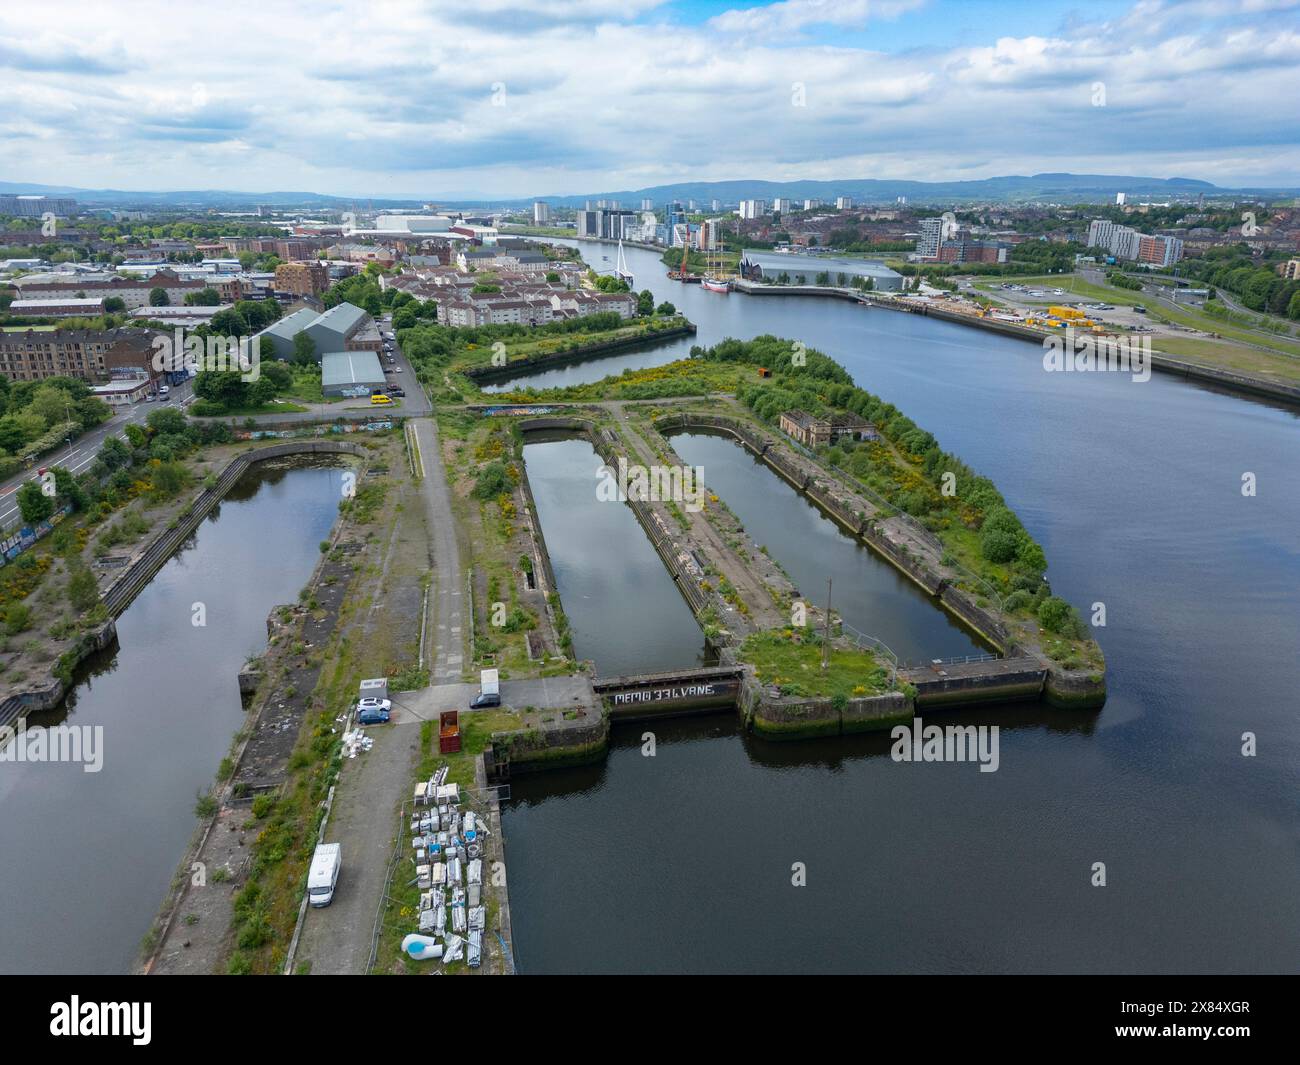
column 86, row 858
column 682, row 861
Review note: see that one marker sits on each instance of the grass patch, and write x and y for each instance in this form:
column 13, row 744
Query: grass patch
column 791, row 659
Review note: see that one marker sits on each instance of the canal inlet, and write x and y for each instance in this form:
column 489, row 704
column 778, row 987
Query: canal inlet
column 492, row 379
column 98, row 849
column 129, row 583
column 634, row 694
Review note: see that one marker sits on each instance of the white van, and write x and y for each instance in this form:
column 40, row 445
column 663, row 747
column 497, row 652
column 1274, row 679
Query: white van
column 324, row 873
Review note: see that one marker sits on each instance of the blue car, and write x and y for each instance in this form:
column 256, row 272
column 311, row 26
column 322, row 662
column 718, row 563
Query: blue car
column 372, row 716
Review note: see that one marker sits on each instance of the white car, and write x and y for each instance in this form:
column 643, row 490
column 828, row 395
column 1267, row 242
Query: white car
column 374, row 704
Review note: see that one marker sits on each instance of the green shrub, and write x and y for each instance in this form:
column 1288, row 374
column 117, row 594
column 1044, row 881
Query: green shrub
column 18, row 617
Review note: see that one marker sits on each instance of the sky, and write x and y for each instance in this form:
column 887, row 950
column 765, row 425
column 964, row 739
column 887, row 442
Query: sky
column 522, row 98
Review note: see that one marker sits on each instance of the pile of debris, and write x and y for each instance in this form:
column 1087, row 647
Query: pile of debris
column 447, row 849
column 355, row 742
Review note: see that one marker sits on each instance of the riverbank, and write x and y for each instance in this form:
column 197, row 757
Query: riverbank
column 237, row 891
column 130, row 573
column 1181, row 366
column 958, row 870
column 490, row 374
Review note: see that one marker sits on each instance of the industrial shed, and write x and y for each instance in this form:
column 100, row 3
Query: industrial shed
column 351, row 373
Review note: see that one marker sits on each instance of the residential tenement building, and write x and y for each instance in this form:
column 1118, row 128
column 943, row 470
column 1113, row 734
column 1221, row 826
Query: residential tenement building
column 133, row 292
column 90, row 354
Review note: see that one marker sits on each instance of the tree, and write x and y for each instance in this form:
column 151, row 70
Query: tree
column 304, row 349
column 167, row 420
column 52, row 404
column 277, row 373
column 229, row 322
column 169, row 478
column 258, row 313
column 33, row 503
column 665, row 308
column 68, row 488
column 19, row 429
column 645, row 302
column 83, row 589
column 136, row 436
column 114, row 304
column 205, row 297
column 158, row 297
column 1000, row 535
column 1055, row 614
column 114, row 453
column 260, row 392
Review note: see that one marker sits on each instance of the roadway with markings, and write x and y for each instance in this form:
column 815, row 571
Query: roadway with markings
column 85, row 448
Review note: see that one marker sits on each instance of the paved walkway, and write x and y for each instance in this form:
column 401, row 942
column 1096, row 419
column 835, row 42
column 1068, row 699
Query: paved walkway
column 554, row 692
column 447, row 609
column 338, row 938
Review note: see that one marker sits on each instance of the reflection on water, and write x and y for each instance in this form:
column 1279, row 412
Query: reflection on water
column 87, row 857
column 868, row 593
column 682, row 861
column 625, row 612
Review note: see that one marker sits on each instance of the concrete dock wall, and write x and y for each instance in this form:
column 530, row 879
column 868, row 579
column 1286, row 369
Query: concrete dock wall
column 129, row 583
column 487, row 375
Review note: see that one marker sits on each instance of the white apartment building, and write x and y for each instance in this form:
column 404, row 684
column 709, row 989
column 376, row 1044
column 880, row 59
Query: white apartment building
column 927, row 246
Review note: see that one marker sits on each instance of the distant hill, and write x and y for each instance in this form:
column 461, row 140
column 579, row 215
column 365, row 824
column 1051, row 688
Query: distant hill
column 1055, row 188
column 203, row 199
column 1049, row 188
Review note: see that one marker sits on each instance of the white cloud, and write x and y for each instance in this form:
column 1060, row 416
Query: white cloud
column 395, row 98
column 790, row 16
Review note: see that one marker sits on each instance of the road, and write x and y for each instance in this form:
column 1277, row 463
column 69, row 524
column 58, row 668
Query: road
column 86, row 447
column 84, row 450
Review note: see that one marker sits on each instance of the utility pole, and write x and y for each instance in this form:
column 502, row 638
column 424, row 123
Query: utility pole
column 826, row 641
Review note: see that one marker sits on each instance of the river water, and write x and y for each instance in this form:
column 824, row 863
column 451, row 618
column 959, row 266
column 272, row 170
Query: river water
column 85, row 858
column 683, row 861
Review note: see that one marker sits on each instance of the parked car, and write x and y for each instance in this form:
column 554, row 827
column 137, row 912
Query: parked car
column 395, row 391
column 373, row 711
column 379, row 400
